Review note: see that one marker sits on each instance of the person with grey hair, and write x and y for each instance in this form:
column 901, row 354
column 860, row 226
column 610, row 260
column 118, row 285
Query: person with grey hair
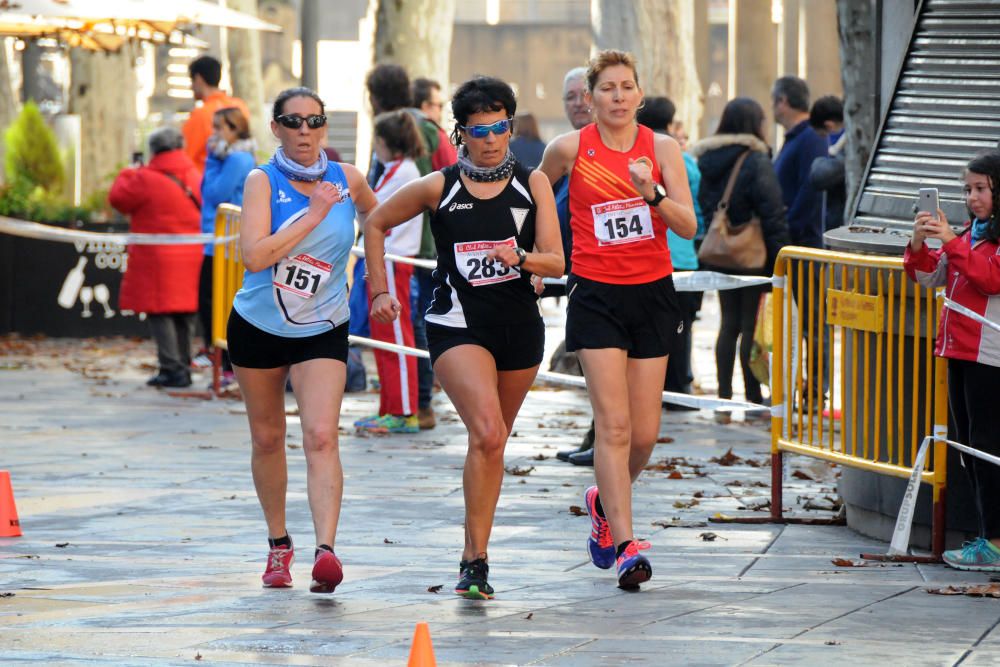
column 163, row 197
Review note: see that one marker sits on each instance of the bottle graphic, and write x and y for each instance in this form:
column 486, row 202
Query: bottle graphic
column 71, row 285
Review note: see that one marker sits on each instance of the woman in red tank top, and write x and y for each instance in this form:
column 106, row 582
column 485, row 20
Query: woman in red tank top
column 627, row 187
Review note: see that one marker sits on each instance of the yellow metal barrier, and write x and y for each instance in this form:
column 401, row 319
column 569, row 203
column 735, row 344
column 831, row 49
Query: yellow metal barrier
column 227, row 277
column 857, row 325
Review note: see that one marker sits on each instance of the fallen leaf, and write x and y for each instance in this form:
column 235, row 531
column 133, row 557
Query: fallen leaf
column 539, row 457
column 435, row 589
column 675, row 475
column 519, row 472
column 679, row 523
column 974, row 590
column 292, row 445
column 576, row 510
column 7, row 594
column 727, row 459
column 62, row 545
column 831, row 642
column 388, row 541
column 663, row 439
column 710, row 537
column 685, row 504
column 798, row 474
column 698, row 494
column 530, row 614
column 197, row 656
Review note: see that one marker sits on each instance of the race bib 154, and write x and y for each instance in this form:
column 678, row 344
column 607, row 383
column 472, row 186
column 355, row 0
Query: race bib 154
column 622, row 221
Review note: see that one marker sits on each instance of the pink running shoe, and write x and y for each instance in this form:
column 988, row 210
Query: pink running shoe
column 600, row 545
column 327, row 572
column 279, row 567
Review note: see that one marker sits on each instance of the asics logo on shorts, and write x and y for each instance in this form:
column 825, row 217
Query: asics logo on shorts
column 455, row 206
column 680, row 328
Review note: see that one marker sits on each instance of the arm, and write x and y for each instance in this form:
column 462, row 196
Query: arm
column 546, row 258
column 676, row 209
column 769, row 206
column 981, row 270
column 557, row 161
column 364, row 199
column 410, row 200
column 260, row 247
column 221, row 188
column 804, row 211
column 126, row 191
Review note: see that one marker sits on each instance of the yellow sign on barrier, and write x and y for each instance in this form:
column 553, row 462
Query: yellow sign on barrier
column 855, row 311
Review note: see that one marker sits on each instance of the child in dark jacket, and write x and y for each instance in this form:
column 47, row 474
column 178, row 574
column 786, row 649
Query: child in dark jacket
column 968, row 264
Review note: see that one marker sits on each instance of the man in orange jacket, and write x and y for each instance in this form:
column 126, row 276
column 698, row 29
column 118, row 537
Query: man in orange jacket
column 206, row 72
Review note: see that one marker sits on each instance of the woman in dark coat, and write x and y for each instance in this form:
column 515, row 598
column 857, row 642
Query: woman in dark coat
column 162, row 280
column 756, row 193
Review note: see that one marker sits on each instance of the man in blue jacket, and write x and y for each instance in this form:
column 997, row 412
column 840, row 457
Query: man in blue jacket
column 802, row 145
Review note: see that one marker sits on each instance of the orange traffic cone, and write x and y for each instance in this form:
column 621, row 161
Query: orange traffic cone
column 422, row 652
column 9, row 525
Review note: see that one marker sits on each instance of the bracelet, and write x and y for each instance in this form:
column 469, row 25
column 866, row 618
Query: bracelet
column 377, row 296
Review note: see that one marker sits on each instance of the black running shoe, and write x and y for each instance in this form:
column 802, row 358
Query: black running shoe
column 472, row 583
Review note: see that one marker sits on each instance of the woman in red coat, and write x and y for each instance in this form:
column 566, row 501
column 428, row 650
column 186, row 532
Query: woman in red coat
column 162, row 280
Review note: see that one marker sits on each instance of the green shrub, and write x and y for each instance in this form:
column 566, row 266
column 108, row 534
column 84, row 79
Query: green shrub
column 32, row 155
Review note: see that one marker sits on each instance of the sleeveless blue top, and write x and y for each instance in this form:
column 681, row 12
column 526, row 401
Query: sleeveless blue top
column 305, row 293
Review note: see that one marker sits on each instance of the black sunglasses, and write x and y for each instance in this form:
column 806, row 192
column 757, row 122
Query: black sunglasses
column 294, row 122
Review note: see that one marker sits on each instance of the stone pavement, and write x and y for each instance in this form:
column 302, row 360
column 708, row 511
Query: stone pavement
column 143, row 543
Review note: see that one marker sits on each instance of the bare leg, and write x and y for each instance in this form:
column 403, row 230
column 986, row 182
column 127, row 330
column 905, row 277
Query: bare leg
column 264, row 394
column 645, row 406
column 319, row 391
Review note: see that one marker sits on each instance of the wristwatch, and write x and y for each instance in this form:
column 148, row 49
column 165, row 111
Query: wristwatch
column 660, row 195
column 522, row 255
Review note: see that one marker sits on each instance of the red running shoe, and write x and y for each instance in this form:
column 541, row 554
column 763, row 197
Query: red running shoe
column 327, row 572
column 279, row 568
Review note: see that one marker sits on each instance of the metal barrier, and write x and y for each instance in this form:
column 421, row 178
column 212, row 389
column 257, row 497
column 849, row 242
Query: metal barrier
column 227, row 277
column 887, row 389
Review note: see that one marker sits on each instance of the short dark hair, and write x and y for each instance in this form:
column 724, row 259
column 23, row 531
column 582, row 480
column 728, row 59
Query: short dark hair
column 208, row 68
column 422, row 88
column 400, row 133
column 656, row 113
column 289, row 93
column 742, row 115
column 828, row 107
column 481, row 94
column 389, row 88
column 794, row 90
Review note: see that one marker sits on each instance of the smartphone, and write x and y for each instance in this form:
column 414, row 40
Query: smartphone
column 928, row 200
column 137, row 158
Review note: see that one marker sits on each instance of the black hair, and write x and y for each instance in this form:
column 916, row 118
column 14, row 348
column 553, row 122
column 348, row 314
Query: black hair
column 481, row 94
column 388, row 88
column 656, row 113
column 794, row 90
column 422, row 88
column 208, row 68
column 987, row 163
column 828, row 107
column 289, row 93
column 400, row 133
column 742, row 115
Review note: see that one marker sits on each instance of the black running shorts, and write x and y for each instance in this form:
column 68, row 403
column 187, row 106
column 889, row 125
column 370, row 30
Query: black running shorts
column 514, row 346
column 250, row 347
column 643, row 319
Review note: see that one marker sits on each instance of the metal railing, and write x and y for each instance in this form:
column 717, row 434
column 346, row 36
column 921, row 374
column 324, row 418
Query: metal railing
column 227, row 277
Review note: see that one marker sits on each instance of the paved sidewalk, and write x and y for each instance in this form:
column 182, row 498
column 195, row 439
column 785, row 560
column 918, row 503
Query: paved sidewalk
column 143, row 544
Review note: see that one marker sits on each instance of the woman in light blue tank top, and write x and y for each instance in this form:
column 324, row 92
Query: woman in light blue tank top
column 290, row 320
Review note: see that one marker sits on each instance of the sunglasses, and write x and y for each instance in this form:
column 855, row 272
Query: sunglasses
column 482, row 131
column 294, row 122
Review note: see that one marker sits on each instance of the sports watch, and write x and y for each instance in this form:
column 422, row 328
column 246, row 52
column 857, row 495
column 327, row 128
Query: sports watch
column 660, row 195
column 522, row 255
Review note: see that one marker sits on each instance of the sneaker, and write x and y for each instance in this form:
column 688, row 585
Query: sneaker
column 600, row 545
column 394, row 424
column 279, row 568
column 633, row 567
column 979, row 555
column 426, row 418
column 472, row 583
column 366, row 422
column 201, row 361
column 327, row 572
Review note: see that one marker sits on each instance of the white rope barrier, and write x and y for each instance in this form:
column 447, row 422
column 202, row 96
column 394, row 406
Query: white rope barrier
column 35, row 230
column 959, row 308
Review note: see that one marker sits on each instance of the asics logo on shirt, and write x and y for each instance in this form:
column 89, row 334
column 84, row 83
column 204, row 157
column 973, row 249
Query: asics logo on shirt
column 455, row 206
column 282, row 197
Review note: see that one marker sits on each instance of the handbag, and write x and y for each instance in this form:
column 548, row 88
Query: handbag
column 729, row 246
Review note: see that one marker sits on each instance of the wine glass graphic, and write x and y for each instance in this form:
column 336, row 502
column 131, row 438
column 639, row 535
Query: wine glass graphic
column 86, row 296
column 102, row 295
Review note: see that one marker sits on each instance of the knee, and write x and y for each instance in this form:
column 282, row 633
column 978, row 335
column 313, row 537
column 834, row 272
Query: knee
column 267, row 441
column 319, row 439
column 488, row 437
column 615, row 432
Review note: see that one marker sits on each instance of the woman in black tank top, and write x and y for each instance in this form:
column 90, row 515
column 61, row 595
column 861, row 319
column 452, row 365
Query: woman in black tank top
column 494, row 223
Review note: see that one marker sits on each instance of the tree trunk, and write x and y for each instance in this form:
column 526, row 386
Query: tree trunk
column 856, row 25
column 102, row 92
column 415, row 34
column 661, row 35
column 247, row 74
column 8, row 103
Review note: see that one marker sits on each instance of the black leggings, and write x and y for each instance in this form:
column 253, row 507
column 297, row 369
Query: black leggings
column 973, row 420
column 739, row 315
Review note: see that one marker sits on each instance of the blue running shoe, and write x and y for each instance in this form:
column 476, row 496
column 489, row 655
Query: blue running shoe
column 600, row 545
column 633, row 568
column 979, row 555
